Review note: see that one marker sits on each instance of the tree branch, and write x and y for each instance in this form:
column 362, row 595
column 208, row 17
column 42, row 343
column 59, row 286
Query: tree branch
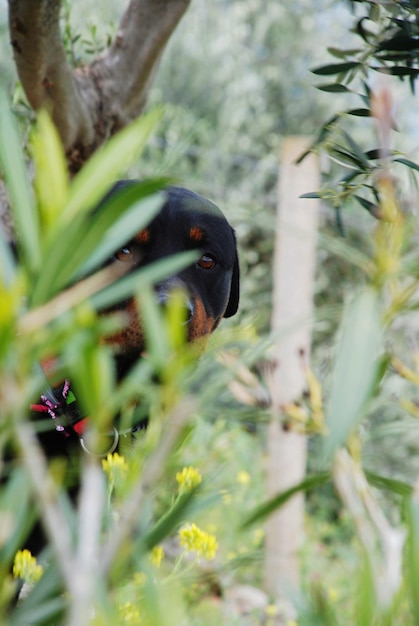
column 128, row 69
column 43, row 69
column 90, row 103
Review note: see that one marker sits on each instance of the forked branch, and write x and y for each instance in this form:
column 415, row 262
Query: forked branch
column 90, row 103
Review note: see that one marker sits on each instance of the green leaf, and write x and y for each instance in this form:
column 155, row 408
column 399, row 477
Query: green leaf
column 18, row 187
column 343, row 54
column 142, row 210
column 359, row 153
column 412, row 554
column 371, row 207
column 155, row 329
column 107, row 165
column 51, row 175
column 389, row 484
column 347, row 252
column 18, row 511
column 408, row 163
column 348, row 157
column 7, row 261
column 335, row 68
column 90, row 239
column 398, row 71
column 379, row 153
column 365, row 594
column 136, row 281
column 170, row 520
column 355, row 370
column 311, row 194
column 401, row 41
column 261, row 512
column 364, row 33
column 359, row 112
column 333, row 88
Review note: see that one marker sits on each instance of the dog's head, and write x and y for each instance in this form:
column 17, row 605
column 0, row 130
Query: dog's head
column 186, row 221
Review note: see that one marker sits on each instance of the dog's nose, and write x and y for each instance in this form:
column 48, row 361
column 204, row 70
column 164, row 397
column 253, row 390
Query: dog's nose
column 166, row 291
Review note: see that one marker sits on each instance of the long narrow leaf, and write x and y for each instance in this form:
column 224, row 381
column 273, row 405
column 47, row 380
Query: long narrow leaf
column 7, row 261
column 16, row 176
column 335, row 68
column 51, row 175
column 348, row 253
column 389, row 484
column 263, row 511
column 333, row 88
column 412, row 555
column 19, row 511
column 408, row 163
column 134, row 282
column 356, row 367
column 90, row 239
column 108, row 164
column 168, row 522
column 357, row 150
column 131, row 222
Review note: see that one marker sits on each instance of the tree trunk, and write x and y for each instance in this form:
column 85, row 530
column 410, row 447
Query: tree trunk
column 90, row 103
column 294, row 267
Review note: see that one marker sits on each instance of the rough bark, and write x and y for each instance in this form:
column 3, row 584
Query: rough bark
column 90, row 103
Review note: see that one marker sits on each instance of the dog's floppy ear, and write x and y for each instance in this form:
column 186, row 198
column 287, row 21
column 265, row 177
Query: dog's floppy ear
column 233, row 302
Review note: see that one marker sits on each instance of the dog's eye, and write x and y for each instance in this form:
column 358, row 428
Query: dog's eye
column 127, row 254
column 206, row 261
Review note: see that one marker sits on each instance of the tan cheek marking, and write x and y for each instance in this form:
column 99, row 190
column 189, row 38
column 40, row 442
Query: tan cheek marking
column 201, row 324
column 143, row 236
column 196, row 234
column 131, row 337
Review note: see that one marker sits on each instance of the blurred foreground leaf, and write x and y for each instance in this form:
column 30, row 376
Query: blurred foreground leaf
column 263, row 511
column 356, row 368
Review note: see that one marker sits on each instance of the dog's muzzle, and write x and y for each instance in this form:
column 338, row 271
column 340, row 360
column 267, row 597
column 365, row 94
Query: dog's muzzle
column 166, row 291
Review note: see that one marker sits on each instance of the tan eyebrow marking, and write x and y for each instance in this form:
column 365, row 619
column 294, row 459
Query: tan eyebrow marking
column 196, row 234
column 143, row 236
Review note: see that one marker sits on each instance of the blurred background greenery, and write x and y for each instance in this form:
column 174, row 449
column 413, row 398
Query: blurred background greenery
column 234, row 80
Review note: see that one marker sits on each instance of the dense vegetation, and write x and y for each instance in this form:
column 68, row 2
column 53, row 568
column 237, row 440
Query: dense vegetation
column 234, row 80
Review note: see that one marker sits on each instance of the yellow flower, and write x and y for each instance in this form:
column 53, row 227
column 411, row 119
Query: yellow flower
column 258, row 536
column 130, row 614
column 333, row 594
column 156, row 555
column 140, row 579
column 188, row 479
column 26, row 567
column 115, row 467
column 196, row 540
column 271, row 610
column 243, row 478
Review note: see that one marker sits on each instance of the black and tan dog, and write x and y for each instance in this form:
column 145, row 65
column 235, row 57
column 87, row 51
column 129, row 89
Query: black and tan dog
column 186, row 221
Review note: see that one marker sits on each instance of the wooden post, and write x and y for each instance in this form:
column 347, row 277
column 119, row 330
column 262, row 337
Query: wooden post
column 294, row 268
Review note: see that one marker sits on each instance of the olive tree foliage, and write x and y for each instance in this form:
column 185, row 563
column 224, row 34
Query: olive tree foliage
column 385, row 48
